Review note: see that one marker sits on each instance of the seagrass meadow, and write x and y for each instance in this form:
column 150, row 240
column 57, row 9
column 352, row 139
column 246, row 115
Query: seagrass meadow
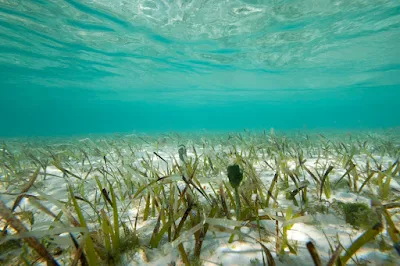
column 241, row 198
column 199, row 132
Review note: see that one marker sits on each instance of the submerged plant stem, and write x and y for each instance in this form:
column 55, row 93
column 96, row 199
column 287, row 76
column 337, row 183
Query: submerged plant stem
column 361, row 241
column 238, row 205
column 17, row 225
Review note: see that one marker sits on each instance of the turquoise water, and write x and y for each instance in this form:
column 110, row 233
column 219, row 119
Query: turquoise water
column 100, row 66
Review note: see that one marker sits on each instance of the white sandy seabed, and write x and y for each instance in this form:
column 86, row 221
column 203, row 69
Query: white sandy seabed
column 216, row 250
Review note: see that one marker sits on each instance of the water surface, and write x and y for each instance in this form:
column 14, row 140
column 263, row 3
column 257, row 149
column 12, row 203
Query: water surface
column 98, row 66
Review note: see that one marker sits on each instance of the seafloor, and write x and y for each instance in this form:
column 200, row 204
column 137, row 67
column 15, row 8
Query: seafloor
column 298, row 198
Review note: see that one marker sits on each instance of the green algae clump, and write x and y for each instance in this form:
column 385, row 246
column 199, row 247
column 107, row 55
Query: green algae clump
column 235, row 175
column 359, row 215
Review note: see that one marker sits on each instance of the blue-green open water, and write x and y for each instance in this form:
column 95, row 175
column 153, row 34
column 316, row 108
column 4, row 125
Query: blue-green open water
column 101, row 66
